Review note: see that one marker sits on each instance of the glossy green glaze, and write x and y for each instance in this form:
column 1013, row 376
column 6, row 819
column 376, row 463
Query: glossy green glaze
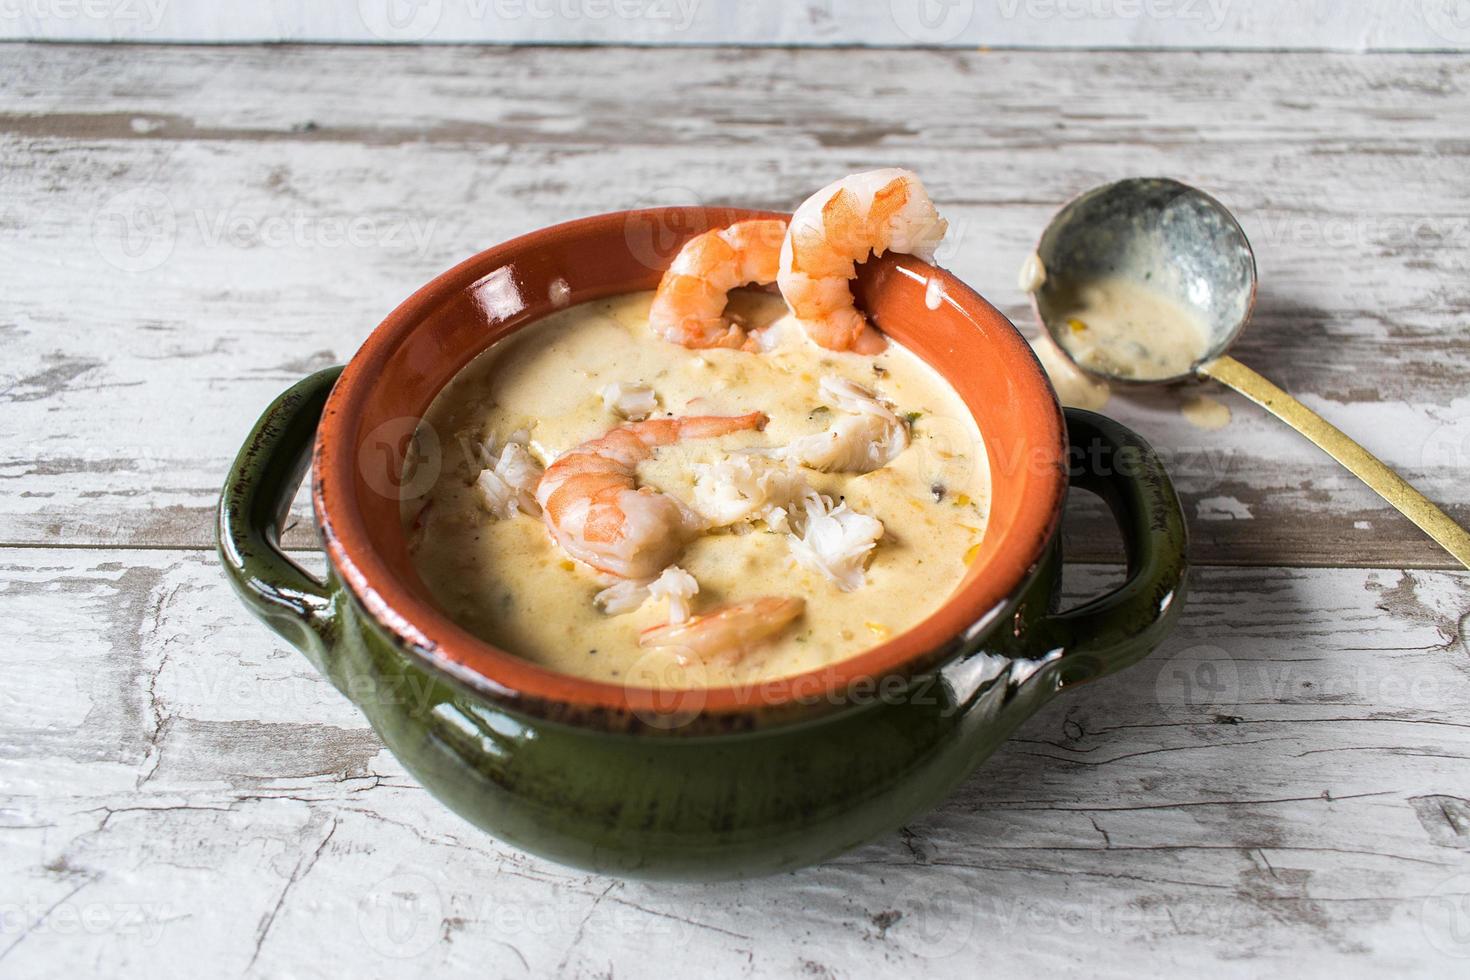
column 662, row 804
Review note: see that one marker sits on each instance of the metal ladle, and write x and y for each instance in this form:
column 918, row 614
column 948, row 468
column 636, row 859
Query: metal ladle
column 1184, row 244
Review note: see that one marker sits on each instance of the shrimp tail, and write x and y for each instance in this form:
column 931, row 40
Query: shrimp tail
column 730, row 630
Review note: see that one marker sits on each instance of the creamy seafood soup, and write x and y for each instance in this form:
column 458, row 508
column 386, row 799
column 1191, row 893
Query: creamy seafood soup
column 1126, row 329
column 855, row 508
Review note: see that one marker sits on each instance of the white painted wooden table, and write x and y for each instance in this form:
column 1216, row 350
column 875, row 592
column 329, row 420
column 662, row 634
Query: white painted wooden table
column 184, row 232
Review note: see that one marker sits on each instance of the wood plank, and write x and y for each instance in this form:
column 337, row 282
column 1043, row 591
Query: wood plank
column 1248, row 24
column 1283, row 786
column 301, row 192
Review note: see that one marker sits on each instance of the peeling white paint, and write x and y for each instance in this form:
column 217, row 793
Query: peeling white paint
column 1222, row 509
column 1248, row 24
column 251, row 824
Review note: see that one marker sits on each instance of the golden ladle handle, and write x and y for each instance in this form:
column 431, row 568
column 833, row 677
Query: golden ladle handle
column 1361, row 463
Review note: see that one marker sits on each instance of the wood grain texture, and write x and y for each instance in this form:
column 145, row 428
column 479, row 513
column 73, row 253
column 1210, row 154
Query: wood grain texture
column 1385, row 24
column 1283, row 785
column 187, row 231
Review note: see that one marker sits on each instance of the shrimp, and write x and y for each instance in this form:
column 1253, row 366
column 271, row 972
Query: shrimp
column 594, row 508
column 730, row 629
column 689, row 306
column 832, row 231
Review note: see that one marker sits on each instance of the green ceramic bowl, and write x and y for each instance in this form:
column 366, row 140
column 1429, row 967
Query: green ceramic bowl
column 692, row 784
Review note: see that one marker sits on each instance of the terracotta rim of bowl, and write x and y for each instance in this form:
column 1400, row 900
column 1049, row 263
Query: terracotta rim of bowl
column 407, row 360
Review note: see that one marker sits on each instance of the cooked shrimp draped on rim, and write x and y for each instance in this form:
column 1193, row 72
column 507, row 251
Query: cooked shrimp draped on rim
column 689, row 307
column 832, row 231
column 594, row 508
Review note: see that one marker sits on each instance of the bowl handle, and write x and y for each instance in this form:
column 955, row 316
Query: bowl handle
column 1117, row 629
column 255, row 500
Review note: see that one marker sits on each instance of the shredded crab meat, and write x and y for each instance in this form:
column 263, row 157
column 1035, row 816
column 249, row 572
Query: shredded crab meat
column 833, row 540
column 632, row 401
column 677, row 586
column 622, row 597
column 628, row 595
column 770, row 337
column 508, row 482
column 741, row 488
column 865, row 437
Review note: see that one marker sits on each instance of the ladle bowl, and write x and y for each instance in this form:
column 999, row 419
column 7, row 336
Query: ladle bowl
column 1186, row 246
